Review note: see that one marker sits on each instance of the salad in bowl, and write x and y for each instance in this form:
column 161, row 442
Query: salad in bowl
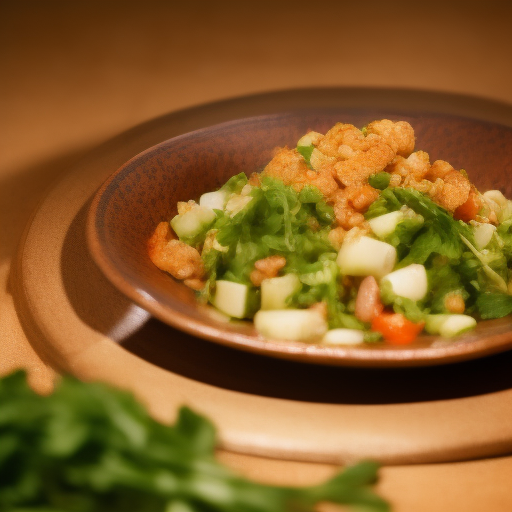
column 351, row 237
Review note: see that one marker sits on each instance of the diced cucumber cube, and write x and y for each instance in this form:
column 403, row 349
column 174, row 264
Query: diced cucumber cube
column 290, row 324
column 384, row 225
column 482, row 234
column 366, row 256
column 457, row 324
column 449, row 325
column 433, row 323
column 236, row 203
column 276, row 291
column 213, row 200
column 231, row 298
column 343, row 337
column 409, row 282
column 193, row 222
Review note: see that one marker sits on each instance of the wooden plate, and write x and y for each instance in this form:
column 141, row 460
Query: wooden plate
column 145, row 190
column 79, row 323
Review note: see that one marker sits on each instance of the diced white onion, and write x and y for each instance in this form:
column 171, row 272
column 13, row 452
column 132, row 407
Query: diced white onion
column 409, row 282
column 343, row 337
column 276, row 290
column 483, row 234
column 214, row 200
column 385, row 224
column 366, row 256
column 290, row 324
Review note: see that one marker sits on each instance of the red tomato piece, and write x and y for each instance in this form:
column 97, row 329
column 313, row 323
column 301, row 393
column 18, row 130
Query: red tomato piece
column 469, row 210
column 396, row 328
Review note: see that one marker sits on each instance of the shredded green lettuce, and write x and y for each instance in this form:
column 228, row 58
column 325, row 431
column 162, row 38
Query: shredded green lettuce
column 445, row 247
column 236, row 183
column 439, row 233
column 277, row 220
column 494, row 305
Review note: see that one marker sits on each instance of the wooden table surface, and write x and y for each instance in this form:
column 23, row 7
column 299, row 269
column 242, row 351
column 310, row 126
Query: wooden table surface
column 75, row 74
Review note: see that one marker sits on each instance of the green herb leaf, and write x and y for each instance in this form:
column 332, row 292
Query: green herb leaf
column 236, row 183
column 91, row 448
column 386, row 202
column 494, row 305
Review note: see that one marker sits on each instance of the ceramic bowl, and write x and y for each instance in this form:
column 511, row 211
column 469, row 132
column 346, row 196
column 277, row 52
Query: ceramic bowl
column 145, row 190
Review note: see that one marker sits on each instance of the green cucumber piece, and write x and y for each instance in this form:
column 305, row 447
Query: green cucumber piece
column 234, row 299
column 290, row 324
column 384, row 225
column 449, row 325
column 193, row 222
column 409, row 282
column 276, row 290
column 366, row 256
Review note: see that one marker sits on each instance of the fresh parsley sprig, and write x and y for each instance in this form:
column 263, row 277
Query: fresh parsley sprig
column 90, row 448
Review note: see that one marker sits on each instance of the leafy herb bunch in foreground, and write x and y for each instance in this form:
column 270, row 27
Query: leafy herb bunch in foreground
column 90, row 448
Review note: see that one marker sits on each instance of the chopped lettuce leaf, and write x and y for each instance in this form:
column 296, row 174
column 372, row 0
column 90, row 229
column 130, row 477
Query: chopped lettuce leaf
column 236, row 183
column 442, row 280
column 504, row 232
column 210, row 260
column 324, row 212
column 310, row 194
column 494, row 305
column 494, row 278
column 423, row 205
column 386, row 202
column 405, row 231
column 439, row 233
column 277, row 220
column 428, row 242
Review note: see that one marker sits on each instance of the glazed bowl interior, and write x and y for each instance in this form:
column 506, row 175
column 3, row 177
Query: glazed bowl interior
column 145, row 191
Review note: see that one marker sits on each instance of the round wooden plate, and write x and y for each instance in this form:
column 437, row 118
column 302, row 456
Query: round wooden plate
column 145, row 191
column 81, row 324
